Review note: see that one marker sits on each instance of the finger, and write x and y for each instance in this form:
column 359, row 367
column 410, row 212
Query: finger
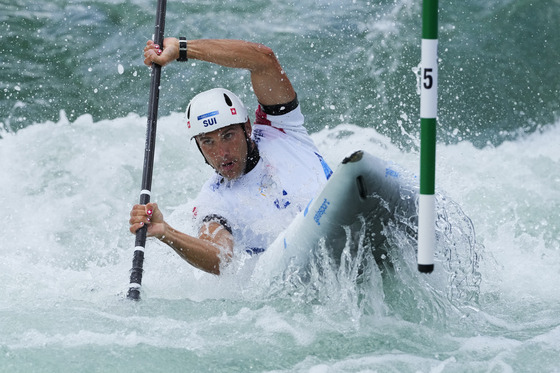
column 138, row 210
column 133, row 211
column 151, row 56
column 149, row 53
column 149, row 45
column 154, row 47
column 151, row 209
column 137, row 219
column 134, row 227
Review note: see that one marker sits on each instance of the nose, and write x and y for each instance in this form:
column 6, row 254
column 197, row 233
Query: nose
column 222, row 149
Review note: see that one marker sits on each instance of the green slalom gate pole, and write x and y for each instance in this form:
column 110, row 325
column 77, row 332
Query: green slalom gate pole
column 428, row 114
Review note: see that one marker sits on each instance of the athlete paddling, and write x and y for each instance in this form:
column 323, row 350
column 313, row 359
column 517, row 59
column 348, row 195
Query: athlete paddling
column 266, row 173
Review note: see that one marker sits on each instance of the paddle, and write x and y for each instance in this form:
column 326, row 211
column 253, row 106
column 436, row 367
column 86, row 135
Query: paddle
column 138, row 258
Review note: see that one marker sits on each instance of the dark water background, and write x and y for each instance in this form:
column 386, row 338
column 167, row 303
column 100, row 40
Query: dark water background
column 350, row 61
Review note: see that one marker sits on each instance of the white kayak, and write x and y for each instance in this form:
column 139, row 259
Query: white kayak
column 363, row 189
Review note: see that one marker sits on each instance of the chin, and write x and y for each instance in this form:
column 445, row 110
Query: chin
column 230, row 175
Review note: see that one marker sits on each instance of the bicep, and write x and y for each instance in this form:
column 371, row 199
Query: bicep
column 270, row 82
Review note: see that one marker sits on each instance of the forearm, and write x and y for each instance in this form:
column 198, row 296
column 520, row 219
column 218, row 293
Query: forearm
column 230, row 53
column 270, row 82
column 201, row 253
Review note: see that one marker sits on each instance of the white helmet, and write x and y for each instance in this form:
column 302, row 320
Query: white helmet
column 214, row 109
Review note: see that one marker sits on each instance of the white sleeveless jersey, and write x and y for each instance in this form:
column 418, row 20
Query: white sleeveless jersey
column 260, row 204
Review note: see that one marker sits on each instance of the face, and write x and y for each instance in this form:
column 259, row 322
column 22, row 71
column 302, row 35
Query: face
column 226, row 150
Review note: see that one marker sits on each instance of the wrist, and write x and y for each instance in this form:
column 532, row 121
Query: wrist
column 162, row 233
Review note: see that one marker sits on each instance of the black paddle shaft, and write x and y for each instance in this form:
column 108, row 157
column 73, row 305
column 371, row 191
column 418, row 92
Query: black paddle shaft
column 140, row 243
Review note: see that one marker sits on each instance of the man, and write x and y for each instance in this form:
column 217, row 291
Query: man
column 265, row 174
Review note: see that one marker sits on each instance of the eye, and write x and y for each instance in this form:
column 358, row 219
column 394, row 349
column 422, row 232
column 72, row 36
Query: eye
column 206, row 141
column 229, row 135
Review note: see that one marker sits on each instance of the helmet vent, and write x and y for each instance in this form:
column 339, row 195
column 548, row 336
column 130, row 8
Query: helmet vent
column 228, row 100
column 189, row 112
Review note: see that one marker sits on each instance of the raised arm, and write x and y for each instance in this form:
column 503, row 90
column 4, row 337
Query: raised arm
column 270, row 82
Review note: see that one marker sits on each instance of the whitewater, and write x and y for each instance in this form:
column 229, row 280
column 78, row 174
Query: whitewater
column 67, row 190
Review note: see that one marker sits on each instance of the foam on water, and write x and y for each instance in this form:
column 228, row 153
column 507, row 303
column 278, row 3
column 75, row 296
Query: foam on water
column 66, row 193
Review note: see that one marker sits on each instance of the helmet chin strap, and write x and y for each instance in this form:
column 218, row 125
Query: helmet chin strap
column 203, row 156
column 253, row 155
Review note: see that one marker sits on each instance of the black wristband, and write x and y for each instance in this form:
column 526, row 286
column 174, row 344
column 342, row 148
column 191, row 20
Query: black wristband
column 182, row 49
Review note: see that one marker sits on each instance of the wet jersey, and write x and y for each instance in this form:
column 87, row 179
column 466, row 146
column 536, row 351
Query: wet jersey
column 259, row 205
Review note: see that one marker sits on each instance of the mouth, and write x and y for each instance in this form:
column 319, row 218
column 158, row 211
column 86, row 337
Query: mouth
column 227, row 166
